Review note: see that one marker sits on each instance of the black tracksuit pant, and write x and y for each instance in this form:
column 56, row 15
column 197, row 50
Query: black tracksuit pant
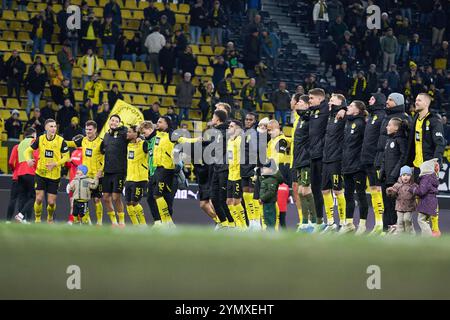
column 219, row 195
column 355, row 182
column 316, row 185
column 13, row 196
column 27, row 195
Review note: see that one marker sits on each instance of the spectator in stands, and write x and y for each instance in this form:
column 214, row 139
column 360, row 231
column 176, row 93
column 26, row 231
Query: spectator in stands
column 271, row 46
column 227, row 90
column 403, row 32
column 372, row 46
column 310, row 82
column 66, row 61
column 255, row 24
column 85, row 10
column 261, row 77
column 438, row 23
column 384, row 89
column 89, row 66
column 436, row 98
column 41, row 32
column 410, row 75
column 94, row 91
column 343, row 78
column 372, row 79
column 102, row 116
column 154, row 43
column 181, row 42
column 389, row 47
column 133, row 49
column 13, row 126
column 440, row 57
column 112, row 9
column 335, row 9
column 109, row 33
column 198, row 21
column 188, row 61
column 35, row 85
column 61, row 20
column 337, row 30
column 168, row 13
column 36, row 122
column 166, row 60
column 7, row 5
column 2, row 67
column 185, row 91
column 249, row 95
column 152, row 114
column 165, row 28
column 359, row 88
column 328, row 56
column 55, row 78
column 47, row 111
column 144, row 31
column 220, row 67
column 37, row 61
column 114, row 95
column 65, row 115
column 320, row 18
column 253, row 7
column 281, row 100
column 90, row 29
column 393, row 79
column 385, row 22
column 252, row 51
column 231, row 56
column 120, row 46
column 207, row 100
column 415, row 49
column 72, row 130
column 217, row 22
column 151, row 13
column 64, row 91
column 85, row 111
column 174, row 119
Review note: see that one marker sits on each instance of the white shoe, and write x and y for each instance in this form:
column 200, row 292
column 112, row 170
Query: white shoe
column 330, row 228
column 24, row 221
column 360, row 231
column 19, row 217
column 8, row 222
column 347, row 228
column 254, row 225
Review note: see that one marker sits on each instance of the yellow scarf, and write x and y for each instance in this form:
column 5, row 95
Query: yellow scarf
column 355, row 84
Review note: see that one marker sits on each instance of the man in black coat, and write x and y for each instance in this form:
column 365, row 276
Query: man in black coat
column 13, row 125
column 152, row 114
column 36, row 122
column 166, row 58
column 35, row 85
column 15, row 70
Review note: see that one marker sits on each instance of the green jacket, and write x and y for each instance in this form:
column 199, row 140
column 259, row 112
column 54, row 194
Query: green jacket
column 151, row 144
column 269, row 187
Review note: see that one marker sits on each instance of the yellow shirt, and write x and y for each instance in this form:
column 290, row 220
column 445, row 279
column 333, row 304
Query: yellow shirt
column 278, row 149
column 90, row 34
column 296, row 120
column 39, row 30
column 93, row 158
column 93, row 91
column 137, row 161
column 54, row 150
column 418, row 139
column 234, row 157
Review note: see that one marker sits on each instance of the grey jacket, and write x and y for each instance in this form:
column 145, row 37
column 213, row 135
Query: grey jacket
column 82, row 186
column 185, row 91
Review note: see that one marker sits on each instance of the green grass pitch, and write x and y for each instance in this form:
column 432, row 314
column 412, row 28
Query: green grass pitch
column 198, row 263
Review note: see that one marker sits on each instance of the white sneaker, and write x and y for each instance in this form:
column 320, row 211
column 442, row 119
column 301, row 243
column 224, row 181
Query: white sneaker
column 19, row 217
column 347, row 228
column 24, row 221
column 361, row 230
column 254, row 225
column 330, row 228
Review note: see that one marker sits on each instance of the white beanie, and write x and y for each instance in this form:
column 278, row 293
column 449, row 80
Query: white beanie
column 428, row 167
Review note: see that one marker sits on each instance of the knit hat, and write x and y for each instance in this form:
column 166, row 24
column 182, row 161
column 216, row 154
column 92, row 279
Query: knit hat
column 83, row 169
column 427, row 167
column 398, row 98
column 380, row 98
column 15, row 111
column 412, row 64
column 264, row 121
column 405, row 170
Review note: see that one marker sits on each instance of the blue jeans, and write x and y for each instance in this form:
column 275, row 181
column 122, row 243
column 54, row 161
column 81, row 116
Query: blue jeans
column 32, row 99
column 402, row 54
column 184, row 113
column 425, row 18
column 68, row 74
column 406, row 13
column 196, row 33
column 130, row 57
column 74, row 47
column 22, row 7
column 216, row 33
column 108, row 51
column 281, row 114
column 38, row 44
column 7, row 4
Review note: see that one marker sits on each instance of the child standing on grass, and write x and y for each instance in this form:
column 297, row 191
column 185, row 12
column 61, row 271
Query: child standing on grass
column 406, row 201
column 81, row 187
column 427, row 191
column 270, row 180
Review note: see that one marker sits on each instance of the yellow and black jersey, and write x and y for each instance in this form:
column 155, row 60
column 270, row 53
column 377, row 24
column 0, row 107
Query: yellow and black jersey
column 50, row 151
column 163, row 149
column 234, row 158
column 93, row 158
column 278, row 149
column 137, row 161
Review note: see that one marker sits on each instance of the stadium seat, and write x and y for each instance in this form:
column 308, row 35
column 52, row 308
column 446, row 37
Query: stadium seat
column 12, row 103
column 126, row 65
column 22, row 16
column 78, row 95
column 268, row 107
column 126, row 98
column 130, row 87
column 112, row 64
column 203, row 60
column 4, row 46
column 142, row 5
column 209, row 71
column 139, row 100
column 129, row 34
column 138, row 15
column 76, row 73
column 135, row 76
column 106, row 74
column 91, row 3
column 48, row 49
column 206, row 50
column 119, row 85
column 3, row 25
column 126, row 14
column 131, row 4
column 158, row 89
column 195, row 49
column 40, row 7
column 23, row 115
column 98, row 12
column 199, row 71
column 183, row 8
column 8, row 15
column 159, row 6
column 167, row 102
column 15, row 46
column 121, row 76
column 16, row 26
column 152, row 99
column 141, row 66
column 171, row 91
column 181, row 18
column 8, row 35
column 144, row 88
column 239, row 73
column 52, row 59
column 23, row 36
column 218, row 50
column 150, row 78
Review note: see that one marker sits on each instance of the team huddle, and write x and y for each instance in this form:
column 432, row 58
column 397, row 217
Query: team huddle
column 336, row 151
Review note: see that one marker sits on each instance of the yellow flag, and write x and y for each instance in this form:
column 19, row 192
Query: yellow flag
column 130, row 115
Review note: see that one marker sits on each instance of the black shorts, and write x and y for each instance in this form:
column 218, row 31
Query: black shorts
column 295, row 174
column 80, row 208
column 113, row 182
column 247, row 182
column 304, row 177
column 203, row 174
column 97, row 193
column 234, row 189
column 257, row 190
column 48, row 185
column 373, row 175
column 134, row 191
column 204, row 191
column 162, row 182
column 285, row 171
column 331, row 176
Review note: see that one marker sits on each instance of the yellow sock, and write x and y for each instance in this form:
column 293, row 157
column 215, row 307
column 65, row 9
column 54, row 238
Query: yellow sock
column 329, row 207
column 140, row 214
column 341, row 207
column 300, row 213
column 85, row 219
column 37, row 212
column 112, row 216
column 248, row 200
column 76, row 219
column 50, row 211
column 241, row 215
column 257, row 209
column 132, row 215
column 163, row 210
column 435, row 223
column 277, row 219
column 233, row 212
column 348, row 221
column 99, row 213
column 378, row 207
column 121, row 216
column 216, row 219
column 362, row 222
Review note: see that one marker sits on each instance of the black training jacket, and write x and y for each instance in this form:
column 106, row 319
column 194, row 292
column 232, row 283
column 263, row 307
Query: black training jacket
column 372, row 134
column 114, row 146
column 352, row 144
column 301, row 157
column 250, row 144
column 332, row 151
column 394, row 157
column 317, row 127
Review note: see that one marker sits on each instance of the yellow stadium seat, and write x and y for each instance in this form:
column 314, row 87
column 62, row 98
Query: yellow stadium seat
column 126, row 14
column 141, row 66
column 135, row 76
column 112, row 64
column 101, row 64
column 8, row 35
column 15, row 46
column 239, row 73
column 268, row 107
column 16, row 26
column 159, row 6
column 183, row 8
column 52, row 59
column 181, row 18
column 206, row 50
column 167, row 102
column 171, row 90
column 22, row 16
column 3, row 25
column 102, row 3
column 158, row 89
column 129, row 34
column 131, row 4
column 218, row 50
column 152, row 100
column 195, row 49
column 1, row 103
column 203, row 60
column 130, row 87
column 138, row 15
column 98, row 12
column 119, row 85
column 144, row 88
column 150, row 78
column 139, row 100
column 126, row 65
column 121, row 76
column 209, row 71
column 237, row 83
column 3, row 46
column 5, row 114
column 23, row 36
column 143, row 5
column 8, row 15
column 41, row 6
column 23, row 115
column 76, row 73
column 78, row 95
column 134, row 24
column 12, row 103
column 106, row 74
column 48, row 49
column 199, row 71
column 205, row 40
column 91, row 3
column 126, row 98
